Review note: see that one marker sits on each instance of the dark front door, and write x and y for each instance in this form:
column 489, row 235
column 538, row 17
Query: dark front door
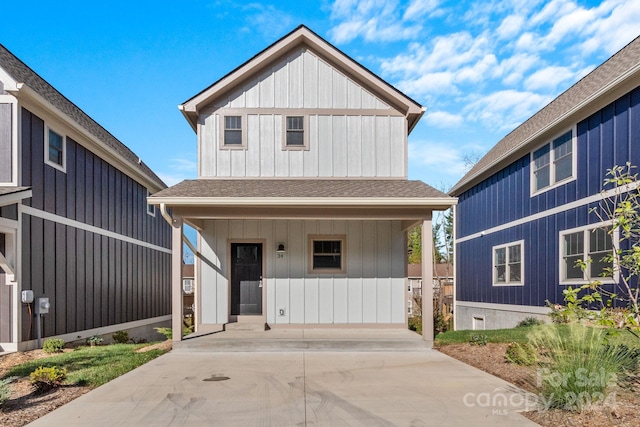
column 246, row 279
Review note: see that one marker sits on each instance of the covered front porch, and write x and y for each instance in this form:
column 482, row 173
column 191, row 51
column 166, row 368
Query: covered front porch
column 325, row 254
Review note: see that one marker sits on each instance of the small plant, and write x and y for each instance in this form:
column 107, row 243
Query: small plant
column 167, row 332
column 44, row 379
column 53, row 345
column 415, row 324
column 522, row 354
column 530, row 321
column 478, row 339
column 121, row 337
column 4, row 389
column 94, row 340
column 187, row 325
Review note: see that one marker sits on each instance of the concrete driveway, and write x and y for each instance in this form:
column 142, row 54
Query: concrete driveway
column 298, row 388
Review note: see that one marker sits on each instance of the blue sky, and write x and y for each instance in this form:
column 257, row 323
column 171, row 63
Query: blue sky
column 480, row 67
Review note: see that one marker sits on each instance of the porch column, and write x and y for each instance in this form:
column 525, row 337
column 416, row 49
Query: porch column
column 427, row 281
column 176, row 278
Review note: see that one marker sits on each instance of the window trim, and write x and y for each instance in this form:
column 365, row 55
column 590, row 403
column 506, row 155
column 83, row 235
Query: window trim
column 585, row 277
column 305, row 130
column 574, row 162
column 243, row 131
column 151, row 209
column 343, row 252
column 63, row 167
column 506, row 246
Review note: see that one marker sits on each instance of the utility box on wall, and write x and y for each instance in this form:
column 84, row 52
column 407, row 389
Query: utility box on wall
column 42, row 306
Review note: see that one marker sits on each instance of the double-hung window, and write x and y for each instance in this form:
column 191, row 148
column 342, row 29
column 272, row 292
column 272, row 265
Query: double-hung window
column 55, row 149
column 232, row 135
column 295, row 136
column 590, row 248
column 508, row 264
column 553, row 163
column 327, row 254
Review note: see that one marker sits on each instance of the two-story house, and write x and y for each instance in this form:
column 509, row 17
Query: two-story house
column 302, row 200
column 74, row 223
column 523, row 217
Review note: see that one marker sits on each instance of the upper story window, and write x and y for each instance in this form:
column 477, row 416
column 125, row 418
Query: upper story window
column 507, row 264
column 55, row 149
column 233, row 134
column 295, row 135
column 327, row 254
column 553, row 163
column 151, row 209
column 589, row 247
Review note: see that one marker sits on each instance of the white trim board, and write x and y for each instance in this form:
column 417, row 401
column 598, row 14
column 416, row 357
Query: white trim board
column 562, row 208
column 82, row 226
column 505, row 307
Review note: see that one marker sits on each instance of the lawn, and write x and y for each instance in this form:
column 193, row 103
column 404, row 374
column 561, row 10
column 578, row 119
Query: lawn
column 92, row 366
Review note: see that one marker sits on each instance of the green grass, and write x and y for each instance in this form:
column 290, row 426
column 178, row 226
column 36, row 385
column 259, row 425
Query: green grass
column 92, row 366
column 520, row 334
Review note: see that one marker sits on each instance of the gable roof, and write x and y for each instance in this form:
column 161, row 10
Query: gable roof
column 616, row 76
column 30, row 84
column 303, row 36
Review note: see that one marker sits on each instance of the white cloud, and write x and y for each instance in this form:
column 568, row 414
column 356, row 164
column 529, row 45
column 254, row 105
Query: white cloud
column 513, row 68
column 549, row 78
column 268, row 20
column 505, row 109
column 418, row 8
column 613, row 30
column 510, row 26
column 446, row 157
column 442, row 119
column 181, row 168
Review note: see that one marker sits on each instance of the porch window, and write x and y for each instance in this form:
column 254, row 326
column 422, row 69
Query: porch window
column 55, row 149
column 327, row 254
column 507, row 264
column 591, row 245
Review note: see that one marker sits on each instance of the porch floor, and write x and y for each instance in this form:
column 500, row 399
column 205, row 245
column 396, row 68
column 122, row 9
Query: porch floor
column 302, row 339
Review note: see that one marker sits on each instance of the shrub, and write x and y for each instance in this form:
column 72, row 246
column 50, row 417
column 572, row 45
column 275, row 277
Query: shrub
column 415, row 324
column 530, row 321
column 579, row 369
column 121, row 337
column 94, row 340
column 5, row 391
column 53, row 345
column 167, row 332
column 44, row 379
column 522, row 354
column 478, row 339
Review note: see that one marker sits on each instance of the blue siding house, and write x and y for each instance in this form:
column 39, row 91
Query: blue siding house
column 523, row 215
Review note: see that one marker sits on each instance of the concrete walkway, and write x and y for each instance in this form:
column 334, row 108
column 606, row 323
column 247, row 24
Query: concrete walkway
column 298, row 388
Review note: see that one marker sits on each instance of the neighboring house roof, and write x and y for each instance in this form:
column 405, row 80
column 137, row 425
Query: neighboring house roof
column 440, row 271
column 25, row 76
column 303, row 36
column 299, row 191
column 187, row 271
column 9, row 195
column 603, row 82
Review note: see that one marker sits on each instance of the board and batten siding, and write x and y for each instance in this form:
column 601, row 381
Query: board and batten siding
column 6, row 301
column 371, row 291
column 351, row 133
column 6, row 143
column 606, row 138
column 93, row 278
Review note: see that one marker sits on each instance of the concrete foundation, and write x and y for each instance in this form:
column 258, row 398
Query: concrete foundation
column 500, row 317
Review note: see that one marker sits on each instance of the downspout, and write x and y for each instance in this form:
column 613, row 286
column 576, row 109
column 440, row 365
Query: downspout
column 185, row 239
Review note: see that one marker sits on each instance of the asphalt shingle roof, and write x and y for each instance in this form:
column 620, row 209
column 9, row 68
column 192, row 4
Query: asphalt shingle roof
column 23, row 74
column 605, row 75
column 302, row 188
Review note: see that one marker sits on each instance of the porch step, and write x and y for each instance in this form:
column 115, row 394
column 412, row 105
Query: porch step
column 295, row 345
column 245, row 326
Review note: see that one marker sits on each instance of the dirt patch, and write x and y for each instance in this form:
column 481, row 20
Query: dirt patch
column 163, row 345
column 490, row 358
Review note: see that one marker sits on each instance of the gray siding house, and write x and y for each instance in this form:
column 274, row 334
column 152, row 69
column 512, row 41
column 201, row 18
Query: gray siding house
column 74, row 223
column 302, row 200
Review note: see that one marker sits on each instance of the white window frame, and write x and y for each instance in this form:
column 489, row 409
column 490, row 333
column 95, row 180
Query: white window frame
column 552, row 171
column 585, row 253
column 506, row 247
column 187, row 286
column 243, row 131
column 305, row 132
column 151, row 209
column 63, row 154
column 410, row 306
column 343, row 251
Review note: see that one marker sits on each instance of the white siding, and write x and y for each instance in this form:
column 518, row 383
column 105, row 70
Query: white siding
column 344, row 140
column 371, row 291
